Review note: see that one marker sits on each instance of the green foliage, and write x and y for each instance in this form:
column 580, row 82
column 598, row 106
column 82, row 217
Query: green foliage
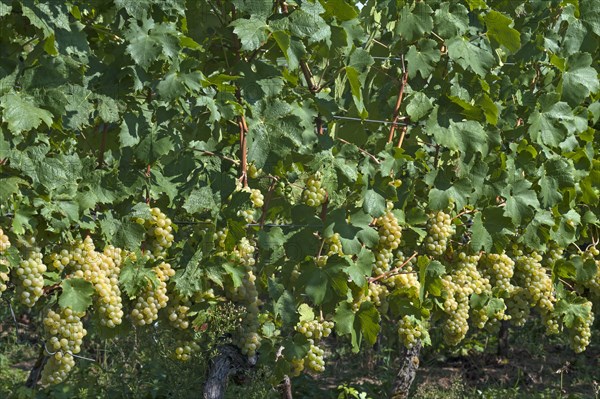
column 218, row 113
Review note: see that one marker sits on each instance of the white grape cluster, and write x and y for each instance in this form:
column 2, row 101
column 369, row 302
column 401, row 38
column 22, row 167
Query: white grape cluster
column 59, row 260
column 482, row 317
column 102, row 269
column 4, row 242
column 463, row 280
column 30, row 278
column 499, row 269
column 159, row 233
column 456, row 325
column 553, row 254
column 297, row 367
column 315, row 359
column 518, row 306
column 384, row 257
column 390, row 232
column 244, row 253
column 593, row 284
column 467, row 277
column 531, row 275
column 257, row 198
column 552, row 323
column 219, row 237
column 177, row 313
column 390, row 236
column 333, row 246
column 314, row 195
column 375, row 293
column 110, row 305
column 286, row 191
column 148, row 304
column 315, row 329
column 4, row 278
column 407, row 280
column 439, row 230
column 247, row 337
column 581, row 333
column 185, row 350
column 410, row 330
column 253, row 171
column 65, row 332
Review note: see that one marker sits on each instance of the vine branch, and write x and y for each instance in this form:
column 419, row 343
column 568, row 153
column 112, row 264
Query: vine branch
column 394, row 271
column 398, row 102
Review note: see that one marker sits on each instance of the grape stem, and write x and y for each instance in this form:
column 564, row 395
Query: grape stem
column 243, row 147
column 465, row 213
column 214, row 154
column 398, row 102
column 401, row 140
column 393, row 271
column 373, row 157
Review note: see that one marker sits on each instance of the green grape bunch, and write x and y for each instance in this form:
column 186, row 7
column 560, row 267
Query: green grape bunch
column 30, row 279
column 439, row 231
column 65, row 334
column 314, row 195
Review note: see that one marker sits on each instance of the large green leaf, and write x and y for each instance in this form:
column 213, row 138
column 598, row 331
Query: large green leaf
column 22, row 114
column 76, row 294
column 580, row 79
column 470, row 56
column 252, row 32
column 498, row 29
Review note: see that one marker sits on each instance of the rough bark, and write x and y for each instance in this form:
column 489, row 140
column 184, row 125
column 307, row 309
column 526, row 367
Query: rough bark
column 407, row 373
column 286, row 388
column 229, row 361
column 36, row 371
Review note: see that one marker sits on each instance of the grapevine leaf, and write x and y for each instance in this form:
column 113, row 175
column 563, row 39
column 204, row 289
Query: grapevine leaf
column 76, row 294
column 498, row 29
column 356, row 88
column 128, row 235
column 521, row 201
column 143, row 47
column 135, row 277
column 344, row 319
column 199, row 200
column 451, row 19
column 374, row 203
column 367, row 320
column 252, row 32
column 306, row 313
column 415, row 21
column 573, row 307
column 580, row 79
column 489, row 227
column 419, row 106
column 429, row 276
column 5, row 7
column 340, row 9
column 469, row 56
column 22, row 114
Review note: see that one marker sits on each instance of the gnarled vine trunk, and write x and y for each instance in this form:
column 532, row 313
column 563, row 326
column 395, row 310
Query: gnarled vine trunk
column 229, row 361
column 407, row 372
